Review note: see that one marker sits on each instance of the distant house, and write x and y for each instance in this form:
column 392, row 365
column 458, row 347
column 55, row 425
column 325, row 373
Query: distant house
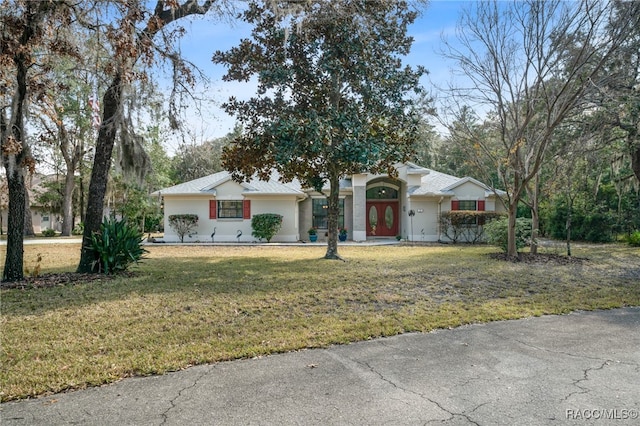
column 42, row 217
column 371, row 206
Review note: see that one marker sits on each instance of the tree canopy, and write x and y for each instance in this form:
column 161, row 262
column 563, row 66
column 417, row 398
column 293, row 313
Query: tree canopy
column 530, row 64
column 333, row 98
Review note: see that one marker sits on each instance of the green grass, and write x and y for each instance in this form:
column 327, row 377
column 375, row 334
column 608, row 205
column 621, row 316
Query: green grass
column 191, row 305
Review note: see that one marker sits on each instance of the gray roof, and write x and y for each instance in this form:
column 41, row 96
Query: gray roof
column 432, row 183
column 207, row 185
column 437, row 183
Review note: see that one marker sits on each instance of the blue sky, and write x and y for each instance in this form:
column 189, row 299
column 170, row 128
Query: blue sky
column 204, row 37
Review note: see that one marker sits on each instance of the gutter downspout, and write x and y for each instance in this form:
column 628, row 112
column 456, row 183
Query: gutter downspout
column 439, row 215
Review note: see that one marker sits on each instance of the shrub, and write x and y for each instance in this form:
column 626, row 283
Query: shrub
column 497, row 232
column 594, row 226
column 634, row 239
column 183, row 224
column 117, row 245
column 597, row 227
column 266, row 225
column 466, row 225
column 78, row 229
column 48, row 233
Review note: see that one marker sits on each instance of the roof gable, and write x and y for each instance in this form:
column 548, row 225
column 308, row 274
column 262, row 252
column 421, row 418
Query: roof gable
column 463, row 181
column 209, row 185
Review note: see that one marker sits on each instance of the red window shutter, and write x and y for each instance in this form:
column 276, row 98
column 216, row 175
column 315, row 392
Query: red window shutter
column 213, row 209
column 455, row 205
column 246, row 209
column 480, row 205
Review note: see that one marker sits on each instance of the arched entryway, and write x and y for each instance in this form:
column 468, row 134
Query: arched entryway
column 383, row 208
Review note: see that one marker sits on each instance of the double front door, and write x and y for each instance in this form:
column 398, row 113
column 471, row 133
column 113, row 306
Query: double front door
column 382, row 218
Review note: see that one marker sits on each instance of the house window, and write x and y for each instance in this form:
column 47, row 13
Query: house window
column 230, row 209
column 467, row 205
column 320, row 213
column 382, row 193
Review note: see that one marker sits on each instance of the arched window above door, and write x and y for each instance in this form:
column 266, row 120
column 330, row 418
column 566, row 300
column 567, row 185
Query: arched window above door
column 382, row 192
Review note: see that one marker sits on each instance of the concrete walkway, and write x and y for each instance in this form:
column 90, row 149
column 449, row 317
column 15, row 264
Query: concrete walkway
column 576, row 369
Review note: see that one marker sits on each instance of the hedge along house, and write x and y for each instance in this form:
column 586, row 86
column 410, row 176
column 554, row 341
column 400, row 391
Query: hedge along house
column 371, row 206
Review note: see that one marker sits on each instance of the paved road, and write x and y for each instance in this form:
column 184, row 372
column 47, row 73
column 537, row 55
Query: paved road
column 576, row 369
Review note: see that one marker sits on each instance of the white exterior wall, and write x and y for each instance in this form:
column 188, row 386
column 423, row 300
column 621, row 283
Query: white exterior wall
column 198, row 205
column 359, row 207
column 469, row 191
column 494, row 204
column 425, row 221
column 226, row 230
column 287, row 207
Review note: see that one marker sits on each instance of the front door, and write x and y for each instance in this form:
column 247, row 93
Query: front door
column 382, row 218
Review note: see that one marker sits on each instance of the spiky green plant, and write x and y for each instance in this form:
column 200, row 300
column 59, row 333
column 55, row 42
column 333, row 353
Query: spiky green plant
column 117, row 245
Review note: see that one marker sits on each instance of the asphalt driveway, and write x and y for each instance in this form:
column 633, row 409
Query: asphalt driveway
column 576, row 369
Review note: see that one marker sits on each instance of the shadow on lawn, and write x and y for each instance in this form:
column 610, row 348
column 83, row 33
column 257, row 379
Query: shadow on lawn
column 451, row 273
column 201, row 277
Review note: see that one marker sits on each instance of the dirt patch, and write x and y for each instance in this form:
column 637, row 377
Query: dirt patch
column 52, row 280
column 541, row 258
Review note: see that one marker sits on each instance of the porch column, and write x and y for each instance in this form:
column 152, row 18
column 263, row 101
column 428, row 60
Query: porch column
column 359, row 183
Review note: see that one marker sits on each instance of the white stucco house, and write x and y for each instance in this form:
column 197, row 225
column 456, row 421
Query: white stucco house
column 372, row 206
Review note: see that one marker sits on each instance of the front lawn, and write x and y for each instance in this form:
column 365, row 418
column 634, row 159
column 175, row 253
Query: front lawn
column 188, row 305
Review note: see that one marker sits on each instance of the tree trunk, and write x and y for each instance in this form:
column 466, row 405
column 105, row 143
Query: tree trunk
column 14, row 159
column 568, row 226
column 333, row 204
column 512, row 249
column 99, row 174
column 71, row 158
column 67, row 202
column 635, row 160
column 28, row 218
column 81, row 182
column 14, row 262
column 535, row 217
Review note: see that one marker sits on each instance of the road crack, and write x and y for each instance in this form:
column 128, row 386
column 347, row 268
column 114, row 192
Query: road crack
column 451, row 414
column 172, row 401
column 585, row 378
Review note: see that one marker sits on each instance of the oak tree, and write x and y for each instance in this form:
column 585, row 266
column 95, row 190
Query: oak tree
column 137, row 36
column 26, row 31
column 333, row 97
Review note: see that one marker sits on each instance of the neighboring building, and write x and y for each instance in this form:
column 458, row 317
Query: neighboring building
column 42, row 217
column 372, row 206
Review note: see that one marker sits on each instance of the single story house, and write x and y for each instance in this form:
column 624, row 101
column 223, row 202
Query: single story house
column 42, row 217
column 371, row 206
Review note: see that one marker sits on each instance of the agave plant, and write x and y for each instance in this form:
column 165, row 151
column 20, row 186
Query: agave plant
column 117, row 245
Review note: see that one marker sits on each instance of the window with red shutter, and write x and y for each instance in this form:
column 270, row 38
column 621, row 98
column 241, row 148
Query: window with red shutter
column 212, row 209
column 455, row 205
column 246, row 209
column 481, row 208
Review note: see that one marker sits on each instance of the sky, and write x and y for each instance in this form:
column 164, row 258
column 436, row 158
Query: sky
column 203, row 37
